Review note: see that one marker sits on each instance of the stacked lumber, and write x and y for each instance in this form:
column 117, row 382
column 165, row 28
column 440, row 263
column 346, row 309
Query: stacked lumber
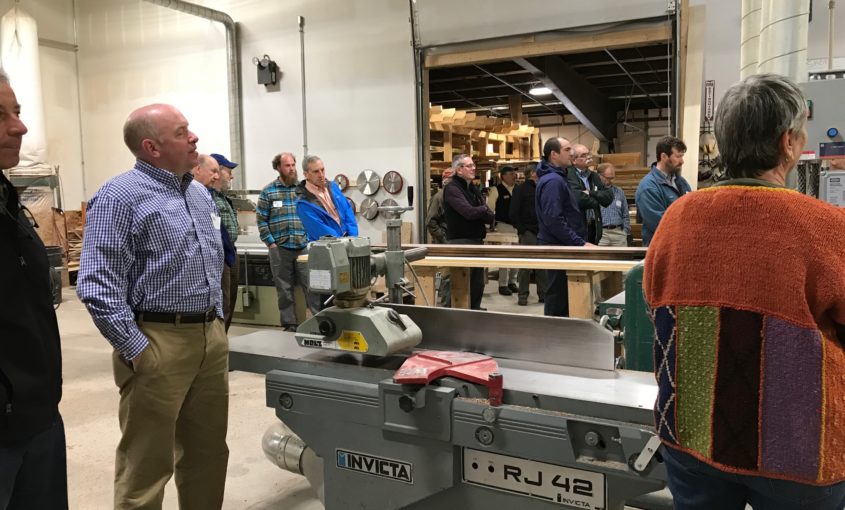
column 628, row 179
column 623, row 159
column 75, row 226
column 465, row 122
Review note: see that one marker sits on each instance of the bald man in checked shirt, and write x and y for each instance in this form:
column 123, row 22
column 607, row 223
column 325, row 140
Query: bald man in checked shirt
column 150, row 275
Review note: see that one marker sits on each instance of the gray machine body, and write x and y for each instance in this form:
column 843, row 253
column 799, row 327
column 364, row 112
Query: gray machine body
column 828, row 111
column 568, row 434
column 346, row 268
column 832, row 187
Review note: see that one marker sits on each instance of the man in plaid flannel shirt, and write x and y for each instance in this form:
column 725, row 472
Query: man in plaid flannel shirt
column 229, row 220
column 282, row 231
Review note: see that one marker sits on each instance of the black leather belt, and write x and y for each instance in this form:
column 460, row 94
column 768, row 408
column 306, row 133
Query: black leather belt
column 176, row 318
column 611, row 227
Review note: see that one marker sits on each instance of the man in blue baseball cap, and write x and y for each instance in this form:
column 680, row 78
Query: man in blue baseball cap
column 223, row 162
column 229, row 220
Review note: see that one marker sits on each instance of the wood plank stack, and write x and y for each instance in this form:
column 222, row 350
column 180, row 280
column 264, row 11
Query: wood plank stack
column 628, row 179
column 623, row 159
column 75, row 226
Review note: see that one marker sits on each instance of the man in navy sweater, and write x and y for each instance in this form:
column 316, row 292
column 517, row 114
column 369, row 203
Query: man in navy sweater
column 560, row 221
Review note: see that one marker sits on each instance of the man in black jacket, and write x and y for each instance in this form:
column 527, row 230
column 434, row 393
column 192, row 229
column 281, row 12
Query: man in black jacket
column 523, row 216
column 466, row 215
column 499, row 201
column 592, row 193
column 33, row 465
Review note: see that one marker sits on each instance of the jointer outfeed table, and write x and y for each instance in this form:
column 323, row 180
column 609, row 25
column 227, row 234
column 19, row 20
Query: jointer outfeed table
column 570, row 432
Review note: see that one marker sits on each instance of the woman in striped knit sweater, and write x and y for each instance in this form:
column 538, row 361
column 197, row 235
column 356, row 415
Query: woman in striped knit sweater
column 746, row 284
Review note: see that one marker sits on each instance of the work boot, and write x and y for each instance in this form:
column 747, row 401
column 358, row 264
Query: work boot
column 505, row 291
column 513, row 288
column 523, row 301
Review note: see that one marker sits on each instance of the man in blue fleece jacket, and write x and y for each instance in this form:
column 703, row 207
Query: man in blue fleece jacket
column 321, row 206
column 560, row 221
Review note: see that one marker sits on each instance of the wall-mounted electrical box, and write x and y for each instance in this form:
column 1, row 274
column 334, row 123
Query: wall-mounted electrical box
column 267, row 70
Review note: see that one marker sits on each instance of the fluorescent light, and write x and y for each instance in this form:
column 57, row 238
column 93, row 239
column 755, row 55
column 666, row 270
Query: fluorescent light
column 540, row 91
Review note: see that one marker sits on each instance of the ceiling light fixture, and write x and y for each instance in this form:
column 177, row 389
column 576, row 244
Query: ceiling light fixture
column 540, row 91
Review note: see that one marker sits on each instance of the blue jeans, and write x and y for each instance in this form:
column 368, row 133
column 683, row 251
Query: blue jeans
column 698, row 486
column 33, row 473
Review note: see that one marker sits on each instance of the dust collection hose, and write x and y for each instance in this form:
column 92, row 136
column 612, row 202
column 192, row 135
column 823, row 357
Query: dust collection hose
column 283, row 448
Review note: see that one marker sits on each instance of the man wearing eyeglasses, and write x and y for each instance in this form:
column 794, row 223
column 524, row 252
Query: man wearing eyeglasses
column 466, row 215
column 592, row 193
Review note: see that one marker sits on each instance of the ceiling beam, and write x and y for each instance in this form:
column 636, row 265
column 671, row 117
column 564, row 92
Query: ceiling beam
column 583, row 100
column 625, row 37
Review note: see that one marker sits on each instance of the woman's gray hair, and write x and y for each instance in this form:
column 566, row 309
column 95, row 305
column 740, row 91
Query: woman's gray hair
column 752, row 116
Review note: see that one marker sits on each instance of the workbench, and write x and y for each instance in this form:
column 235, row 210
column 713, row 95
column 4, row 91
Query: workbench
column 584, row 276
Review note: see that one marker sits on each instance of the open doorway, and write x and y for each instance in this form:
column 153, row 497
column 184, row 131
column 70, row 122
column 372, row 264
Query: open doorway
column 612, row 90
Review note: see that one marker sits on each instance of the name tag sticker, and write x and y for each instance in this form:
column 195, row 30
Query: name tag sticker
column 618, row 203
column 278, row 203
column 215, row 220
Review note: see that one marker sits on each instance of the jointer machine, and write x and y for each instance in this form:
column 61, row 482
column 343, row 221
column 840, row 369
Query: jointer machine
column 399, row 406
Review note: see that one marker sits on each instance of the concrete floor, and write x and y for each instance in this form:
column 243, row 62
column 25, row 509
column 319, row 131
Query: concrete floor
column 89, row 409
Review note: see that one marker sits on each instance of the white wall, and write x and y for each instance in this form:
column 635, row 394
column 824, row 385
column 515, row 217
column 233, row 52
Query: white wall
column 722, row 37
column 721, row 47
column 54, row 20
column 359, row 71
column 817, row 47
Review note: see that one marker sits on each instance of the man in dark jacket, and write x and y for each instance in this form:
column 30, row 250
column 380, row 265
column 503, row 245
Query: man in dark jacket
column 591, row 192
column 559, row 219
column 499, row 201
column 523, row 214
column 33, row 463
column 435, row 222
column 466, row 215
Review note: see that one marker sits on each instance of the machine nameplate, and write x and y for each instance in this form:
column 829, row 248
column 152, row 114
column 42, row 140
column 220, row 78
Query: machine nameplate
column 562, row 485
column 319, row 279
column 377, row 466
column 352, row 341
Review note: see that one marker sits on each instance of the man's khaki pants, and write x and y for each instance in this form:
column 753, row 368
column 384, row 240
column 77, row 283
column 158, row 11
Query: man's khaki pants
column 230, row 282
column 173, row 413
column 613, row 237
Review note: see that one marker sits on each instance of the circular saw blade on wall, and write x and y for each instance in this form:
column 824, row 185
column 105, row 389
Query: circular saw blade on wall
column 389, row 202
column 393, row 182
column 352, row 205
column 369, row 182
column 342, row 181
column 369, row 208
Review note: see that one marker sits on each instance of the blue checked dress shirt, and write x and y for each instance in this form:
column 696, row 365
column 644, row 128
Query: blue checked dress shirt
column 617, row 212
column 152, row 244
